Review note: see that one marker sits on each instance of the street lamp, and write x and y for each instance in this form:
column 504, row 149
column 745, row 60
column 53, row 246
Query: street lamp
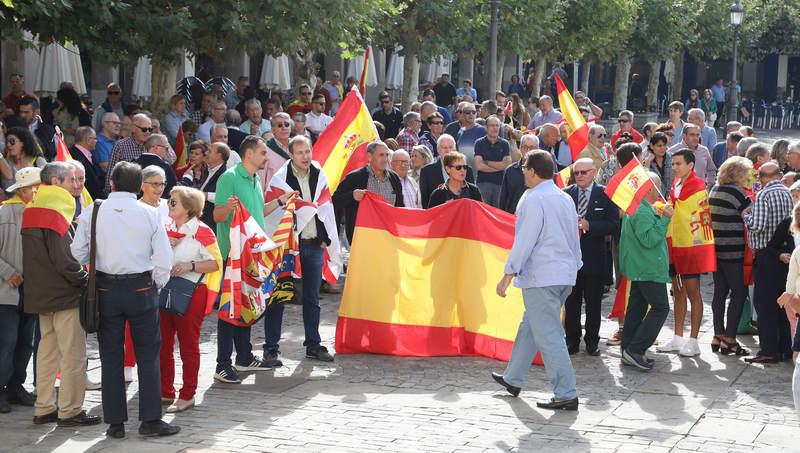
column 495, row 6
column 737, row 15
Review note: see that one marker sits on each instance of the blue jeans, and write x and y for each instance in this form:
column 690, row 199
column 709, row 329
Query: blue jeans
column 311, row 261
column 540, row 331
column 16, row 346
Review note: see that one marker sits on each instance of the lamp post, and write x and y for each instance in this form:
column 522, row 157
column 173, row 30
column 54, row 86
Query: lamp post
column 495, row 6
column 737, row 15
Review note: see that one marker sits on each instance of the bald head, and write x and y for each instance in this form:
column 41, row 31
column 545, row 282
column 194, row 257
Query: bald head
column 548, row 134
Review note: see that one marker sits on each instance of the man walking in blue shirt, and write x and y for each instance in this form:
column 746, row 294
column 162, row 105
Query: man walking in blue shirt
column 545, row 259
column 718, row 92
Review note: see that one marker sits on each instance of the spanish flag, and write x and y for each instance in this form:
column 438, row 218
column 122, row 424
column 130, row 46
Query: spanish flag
column 689, row 235
column 180, row 150
column 621, row 299
column 63, row 155
column 628, row 187
column 579, row 135
column 212, row 280
column 422, row 282
column 362, row 82
column 52, row 208
column 342, row 146
column 562, row 177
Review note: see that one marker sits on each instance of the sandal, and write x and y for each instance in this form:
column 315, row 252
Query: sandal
column 762, row 359
column 732, row 347
column 715, row 346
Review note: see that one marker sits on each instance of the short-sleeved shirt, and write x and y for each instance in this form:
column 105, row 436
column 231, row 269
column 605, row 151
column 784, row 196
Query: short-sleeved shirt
column 492, row 152
column 465, row 142
column 236, row 181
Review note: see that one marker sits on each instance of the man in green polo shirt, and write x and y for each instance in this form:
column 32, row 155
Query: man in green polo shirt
column 239, row 185
column 644, row 261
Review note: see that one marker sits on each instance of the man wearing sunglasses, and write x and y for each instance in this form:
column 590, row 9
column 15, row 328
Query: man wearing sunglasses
column 303, row 102
column 155, row 153
column 387, row 114
column 594, row 149
column 625, row 121
column 129, row 149
column 597, row 218
column 112, row 104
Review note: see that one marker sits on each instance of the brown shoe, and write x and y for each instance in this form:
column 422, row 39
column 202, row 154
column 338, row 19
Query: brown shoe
column 52, row 417
column 327, row 288
column 82, row 419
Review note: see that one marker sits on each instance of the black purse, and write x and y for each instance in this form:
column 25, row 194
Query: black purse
column 90, row 302
column 176, row 295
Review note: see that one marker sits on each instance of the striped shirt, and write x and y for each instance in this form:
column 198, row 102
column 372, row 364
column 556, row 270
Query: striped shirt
column 727, row 203
column 773, row 204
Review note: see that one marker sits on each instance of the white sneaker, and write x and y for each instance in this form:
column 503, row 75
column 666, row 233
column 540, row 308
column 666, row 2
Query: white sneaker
column 674, row 345
column 690, row 349
column 128, row 374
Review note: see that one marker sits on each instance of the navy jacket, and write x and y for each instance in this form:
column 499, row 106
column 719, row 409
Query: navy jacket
column 512, row 188
column 603, row 218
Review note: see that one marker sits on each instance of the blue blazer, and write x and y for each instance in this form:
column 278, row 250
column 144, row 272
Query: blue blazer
column 603, row 217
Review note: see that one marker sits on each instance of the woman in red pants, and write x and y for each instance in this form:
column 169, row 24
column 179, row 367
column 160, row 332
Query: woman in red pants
column 195, row 257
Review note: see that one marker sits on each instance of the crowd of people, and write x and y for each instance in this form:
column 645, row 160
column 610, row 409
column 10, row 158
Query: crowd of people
column 726, row 208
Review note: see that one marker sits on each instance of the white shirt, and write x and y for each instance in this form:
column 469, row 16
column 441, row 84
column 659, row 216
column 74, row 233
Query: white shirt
column 317, row 123
column 204, row 131
column 233, row 159
column 310, row 231
column 265, row 126
column 188, row 248
column 130, row 238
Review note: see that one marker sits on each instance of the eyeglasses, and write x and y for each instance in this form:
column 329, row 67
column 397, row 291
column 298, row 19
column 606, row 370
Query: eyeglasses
column 582, row 172
column 12, row 141
column 404, row 163
column 435, row 122
column 283, row 125
column 173, row 202
column 602, row 135
column 157, row 185
column 386, row 101
column 623, row 120
column 469, row 112
column 112, row 122
column 459, row 167
column 114, row 93
column 305, row 93
column 146, row 130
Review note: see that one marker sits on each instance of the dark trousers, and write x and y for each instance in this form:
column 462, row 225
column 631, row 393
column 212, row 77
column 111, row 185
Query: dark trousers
column 728, row 279
column 311, row 261
column 642, row 326
column 589, row 289
column 133, row 300
column 769, row 277
column 16, row 346
column 228, row 337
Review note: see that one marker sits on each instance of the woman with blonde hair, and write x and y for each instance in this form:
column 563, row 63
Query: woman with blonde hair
column 420, row 156
column 727, row 201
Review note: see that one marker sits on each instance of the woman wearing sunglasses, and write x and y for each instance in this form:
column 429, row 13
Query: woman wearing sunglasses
column 456, row 186
column 22, row 151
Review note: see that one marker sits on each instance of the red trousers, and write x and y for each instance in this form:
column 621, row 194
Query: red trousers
column 187, row 328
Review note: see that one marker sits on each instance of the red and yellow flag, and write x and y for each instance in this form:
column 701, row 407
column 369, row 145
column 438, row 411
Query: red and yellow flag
column 342, row 147
column 621, row 299
column 629, row 186
column 52, row 208
column 180, row 150
column 562, row 177
column 435, row 293
column 579, row 135
column 362, row 82
column 689, row 235
column 63, row 155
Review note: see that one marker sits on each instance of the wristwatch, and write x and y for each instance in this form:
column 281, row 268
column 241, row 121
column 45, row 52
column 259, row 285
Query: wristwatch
column 193, row 263
column 280, row 203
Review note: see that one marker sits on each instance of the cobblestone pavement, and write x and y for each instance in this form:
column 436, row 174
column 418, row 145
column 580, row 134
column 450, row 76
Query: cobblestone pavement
column 376, row 403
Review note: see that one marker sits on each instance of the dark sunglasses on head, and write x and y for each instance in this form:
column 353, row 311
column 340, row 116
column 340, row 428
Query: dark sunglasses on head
column 582, row 172
column 459, row 167
column 145, row 129
column 283, row 125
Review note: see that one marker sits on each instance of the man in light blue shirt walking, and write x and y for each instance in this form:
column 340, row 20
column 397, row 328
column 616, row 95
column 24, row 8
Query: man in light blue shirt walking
column 545, row 259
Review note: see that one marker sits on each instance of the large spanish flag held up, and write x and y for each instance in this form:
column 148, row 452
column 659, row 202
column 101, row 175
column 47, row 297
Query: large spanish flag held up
column 628, row 187
column 579, row 137
column 689, row 235
column 342, row 147
column 422, row 282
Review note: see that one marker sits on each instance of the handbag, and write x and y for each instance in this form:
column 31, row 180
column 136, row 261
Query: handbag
column 90, row 302
column 176, row 295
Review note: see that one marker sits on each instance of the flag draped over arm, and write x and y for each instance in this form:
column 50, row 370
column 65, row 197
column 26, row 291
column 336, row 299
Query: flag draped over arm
column 321, row 206
column 342, row 146
column 422, row 282
column 254, row 264
column 628, row 187
column 52, row 208
column 579, row 130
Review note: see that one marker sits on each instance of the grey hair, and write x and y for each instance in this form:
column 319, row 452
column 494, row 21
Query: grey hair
column 745, row 143
column 699, row 112
column 444, row 137
column 409, row 117
column 794, row 147
column 140, row 116
column 655, row 178
column 83, row 133
column 109, row 116
column 545, row 98
column 400, row 151
column 153, row 170
column 252, row 101
column 219, row 126
column 283, row 115
column 77, row 165
column 428, row 104
column 374, row 145
column 531, row 138
column 155, row 139
column 56, row 170
column 593, row 130
column 733, row 126
column 233, row 118
column 626, row 113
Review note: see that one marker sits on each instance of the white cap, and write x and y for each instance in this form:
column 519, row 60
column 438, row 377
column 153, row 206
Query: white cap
column 26, row 177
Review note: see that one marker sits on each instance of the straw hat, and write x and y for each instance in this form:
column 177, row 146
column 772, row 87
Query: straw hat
column 26, row 177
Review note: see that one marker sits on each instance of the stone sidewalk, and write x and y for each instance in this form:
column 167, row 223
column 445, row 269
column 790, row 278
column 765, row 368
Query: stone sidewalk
column 376, row 403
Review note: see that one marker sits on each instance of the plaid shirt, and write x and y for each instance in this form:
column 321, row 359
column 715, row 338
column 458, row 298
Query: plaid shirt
column 125, row 149
column 407, row 139
column 382, row 187
column 773, row 204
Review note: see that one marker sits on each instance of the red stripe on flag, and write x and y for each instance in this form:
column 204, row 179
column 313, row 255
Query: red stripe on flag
column 326, row 143
column 362, row 83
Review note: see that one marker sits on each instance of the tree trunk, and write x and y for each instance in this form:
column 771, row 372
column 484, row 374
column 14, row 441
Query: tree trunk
column 162, row 86
column 304, row 69
column 541, row 67
column 677, row 79
column 587, row 72
column 621, row 80
column 652, row 86
column 501, row 63
column 410, row 81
